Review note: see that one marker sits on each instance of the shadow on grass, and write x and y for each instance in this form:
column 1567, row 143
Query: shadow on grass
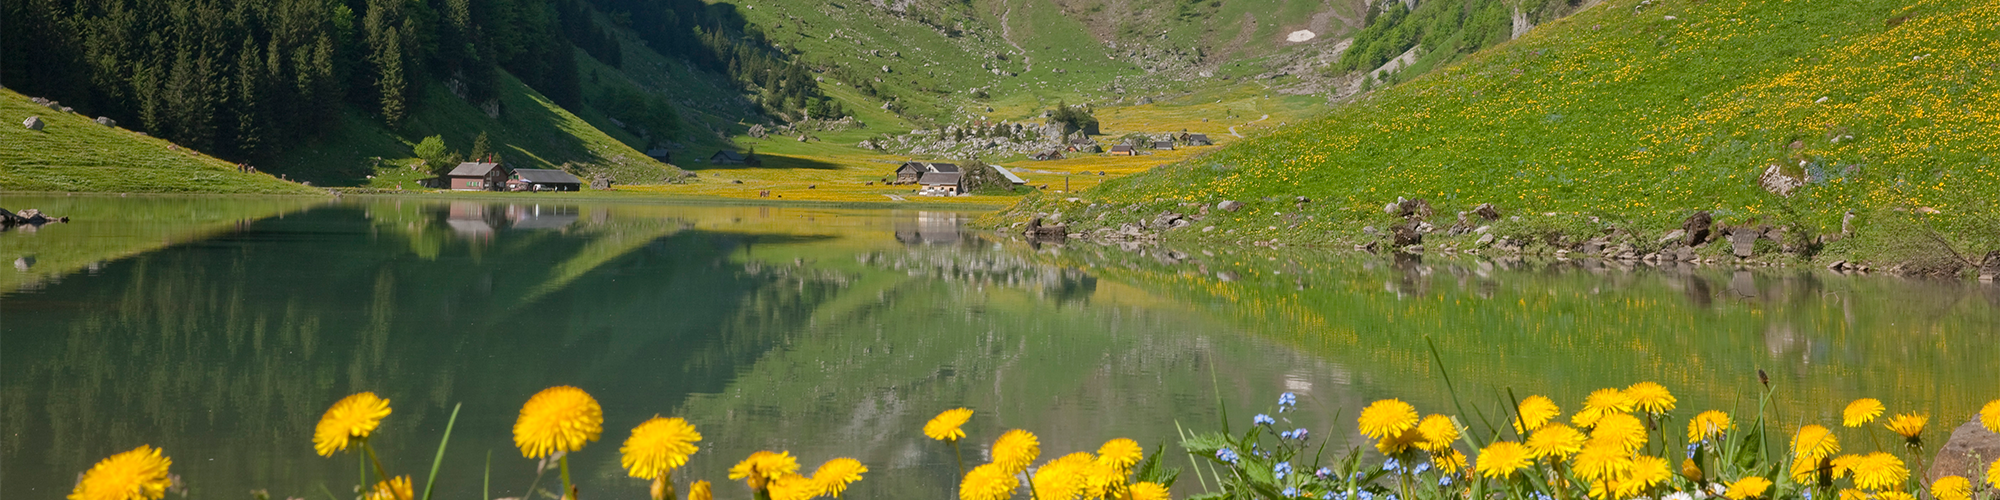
column 768, row 161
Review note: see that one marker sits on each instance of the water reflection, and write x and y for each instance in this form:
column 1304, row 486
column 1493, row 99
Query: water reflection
column 838, row 333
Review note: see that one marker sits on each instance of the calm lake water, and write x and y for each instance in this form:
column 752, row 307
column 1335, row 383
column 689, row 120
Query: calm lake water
column 221, row 329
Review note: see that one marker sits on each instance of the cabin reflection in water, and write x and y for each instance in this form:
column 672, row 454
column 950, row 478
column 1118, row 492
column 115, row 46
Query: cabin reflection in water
column 541, row 216
column 934, row 228
column 469, row 220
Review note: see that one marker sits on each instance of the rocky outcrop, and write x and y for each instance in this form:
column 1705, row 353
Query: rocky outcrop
column 33, row 123
column 1696, row 227
column 1967, row 454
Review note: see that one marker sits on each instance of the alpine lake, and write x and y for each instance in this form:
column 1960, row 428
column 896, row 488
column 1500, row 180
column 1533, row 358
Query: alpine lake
column 220, row 329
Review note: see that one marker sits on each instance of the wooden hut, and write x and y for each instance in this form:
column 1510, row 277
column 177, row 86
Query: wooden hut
column 476, row 176
column 1123, row 150
column 536, row 179
column 726, row 157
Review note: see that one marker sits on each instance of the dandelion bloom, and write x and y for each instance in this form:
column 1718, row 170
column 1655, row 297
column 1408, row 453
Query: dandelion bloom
column 945, row 426
column 1438, row 433
column 1502, row 459
column 1908, row 425
column 988, row 482
column 1624, row 429
column 1993, row 474
column 1399, row 443
column 1691, row 470
column 1814, row 442
column 1450, row 461
column 1894, row 495
column 1555, row 442
column 560, row 418
column 1952, row 488
column 833, row 476
column 354, row 416
column 1748, row 487
column 1853, row 494
column 791, row 487
column 1535, row 412
column 1879, row 471
column 1648, row 471
column 1015, row 450
column 658, row 446
column 1600, row 403
column 1989, row 416
column 1146, row 490
column 700, row 491
column 1387, row 418
column 393, row 489
column 1062, row 478
column 1708, row 425
column 1650, row 397
column 1601, row 460
column 1121, row 453
column 762, row 467
column 1861, row 412
column 139, row 474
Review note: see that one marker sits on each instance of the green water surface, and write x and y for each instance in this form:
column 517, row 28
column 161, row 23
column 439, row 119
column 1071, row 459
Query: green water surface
column 221, row 329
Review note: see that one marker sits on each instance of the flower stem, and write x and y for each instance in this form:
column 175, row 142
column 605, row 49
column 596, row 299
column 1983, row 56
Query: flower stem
column 379, row 471
column 960, row 457
column 569, row 490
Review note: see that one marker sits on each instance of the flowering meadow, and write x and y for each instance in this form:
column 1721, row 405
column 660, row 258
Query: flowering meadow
column 1642, row 112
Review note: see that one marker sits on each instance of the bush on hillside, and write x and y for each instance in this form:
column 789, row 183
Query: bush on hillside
column 1075, row 118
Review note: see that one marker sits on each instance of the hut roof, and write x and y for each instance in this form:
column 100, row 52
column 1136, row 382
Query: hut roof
column 546, row 176
column 941, row 179
column 472, row 169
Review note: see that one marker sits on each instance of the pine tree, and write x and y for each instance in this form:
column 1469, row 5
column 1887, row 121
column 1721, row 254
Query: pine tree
column 481, row 148
column 390, row 64
column 249, row 99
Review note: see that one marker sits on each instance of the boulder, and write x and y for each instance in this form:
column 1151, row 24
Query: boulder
column 1167, row 219
column 1403, row 235
column 602, row 182
column 33, row 123
column 1673, row 236
column 1486, row 211
column 1484, row 239
column 1989, row 268
column 1744, row 241
column 1696, row 227
column 1968, row 454
column 1230, row 205
column 107, row 121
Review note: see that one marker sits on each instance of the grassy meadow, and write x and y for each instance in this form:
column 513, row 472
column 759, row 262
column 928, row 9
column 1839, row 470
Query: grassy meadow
column 73, row 153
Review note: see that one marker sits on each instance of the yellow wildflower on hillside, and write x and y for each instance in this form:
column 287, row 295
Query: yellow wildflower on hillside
column 1015, row 450
column 391, row 489
column 1438, row 432
column 1555, row 442
column 353, row 417
column 1501, row 459
column 1910, row 426
column 762, row 467
column 1952, row 488
column 1147, row 490
column 832, row 477
column 1602, row 461
column 1861, row 412
column 1879, row 471
column 560, row 418
column 1535, row 412
column 1621, row 428
column 1121, row 454
column 1650, row 397
column 1814, row 442
column 658, row 446
column 1387, row 418
column 1600, row 403
column 1989, row 416
column 945, row 426
column 1748, row 487
column 1708, row 425
column 1062, row 478
column 137, row 474
column 988, row 482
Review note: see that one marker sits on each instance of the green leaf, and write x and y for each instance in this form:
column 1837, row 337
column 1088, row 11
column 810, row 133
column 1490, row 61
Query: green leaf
column 1206, row 443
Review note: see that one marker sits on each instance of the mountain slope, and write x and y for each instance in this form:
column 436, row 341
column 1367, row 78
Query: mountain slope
column 72, row 153
column 1644, row 112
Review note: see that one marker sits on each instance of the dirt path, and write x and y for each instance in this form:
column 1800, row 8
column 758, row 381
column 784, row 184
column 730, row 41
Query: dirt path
column 1007, row 33
column 1232, row 128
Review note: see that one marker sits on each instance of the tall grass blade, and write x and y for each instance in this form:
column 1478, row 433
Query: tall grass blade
column 1474, row 436
column 431, row 483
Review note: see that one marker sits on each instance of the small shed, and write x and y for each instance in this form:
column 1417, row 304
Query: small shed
column 476, row 176
column 913, row 172
column 1011, row 178
column 1199, row 140
column 537, row 179
column 1163, row 145
column 660, row 154
column 1123, row 150
column 726, row 157
column 1082, row 145
column 1048, row 154
column 942, row 184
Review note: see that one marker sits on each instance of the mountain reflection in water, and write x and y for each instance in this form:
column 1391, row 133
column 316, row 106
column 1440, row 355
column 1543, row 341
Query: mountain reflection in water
column 839, row 332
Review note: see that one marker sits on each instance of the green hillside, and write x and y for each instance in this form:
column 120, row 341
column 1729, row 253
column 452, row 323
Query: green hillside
column 1637, row 114
column 73, row 153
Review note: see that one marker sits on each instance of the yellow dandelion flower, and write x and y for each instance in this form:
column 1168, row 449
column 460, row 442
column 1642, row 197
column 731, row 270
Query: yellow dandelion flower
column 945, row 426
column 1989, row 416
column 1691, row 470
column 1400, row 442
column 1600, row 403
column 1601, row 461
column 700, row 491
column 1854, row 494
column 1895, row 495
column 1803, row 469
column 1062, row 478
column 1535, row 412
column 560, row 418
column 1861, row 412
column 1814, row 442
column 833, row 476
column 1621, row 428
column 988, row 482
column 1993, row 474
column 354, row 416
column 1146, row 490
column 1909, row 425
column 1450, row 461
column 393, row 489
column 1555, row 442
column 762, row 467
column 138, row 474
column 1438, row 433
column 658, row 446
column 1015, row 450
column 1648, row 471
column 1879, row 471
column 1121, row 453
column 1952, row 488
column 1748, row 487
column 1502, row 458
column 1650, row 397
column 1708, row 425
column 1386, row 418
column 792, row 487
column 1101, row 480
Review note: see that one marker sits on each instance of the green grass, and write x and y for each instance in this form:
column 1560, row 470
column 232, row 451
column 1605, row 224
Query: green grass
column 73, row 153
column 1639, row 119
column 531, row 132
